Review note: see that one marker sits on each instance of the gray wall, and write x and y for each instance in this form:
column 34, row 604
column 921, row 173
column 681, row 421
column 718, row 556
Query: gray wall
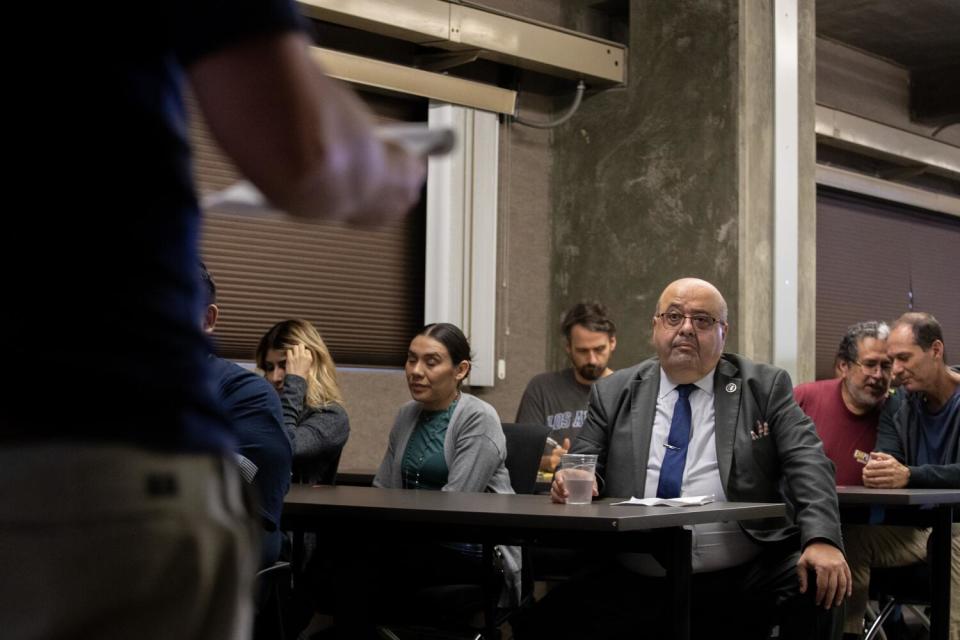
column 756, row 180
column 807, row 193
column 646, row 177
column 372, row 398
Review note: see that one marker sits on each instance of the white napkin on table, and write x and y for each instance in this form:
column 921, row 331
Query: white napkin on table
column 685, row 501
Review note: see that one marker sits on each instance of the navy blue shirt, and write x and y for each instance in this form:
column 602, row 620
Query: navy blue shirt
column 108, row 347
column 252, row 407
column 935, row 428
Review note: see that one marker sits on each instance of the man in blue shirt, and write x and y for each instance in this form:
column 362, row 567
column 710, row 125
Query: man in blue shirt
column 121, row 514
column 917, row 446
column 253, row 409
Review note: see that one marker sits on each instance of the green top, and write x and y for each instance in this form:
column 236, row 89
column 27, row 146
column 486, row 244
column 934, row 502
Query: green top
column 423, row 465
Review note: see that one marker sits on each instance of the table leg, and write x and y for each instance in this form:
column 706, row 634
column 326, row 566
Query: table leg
column 491, row 593
column 940, row 566
column 678, row 582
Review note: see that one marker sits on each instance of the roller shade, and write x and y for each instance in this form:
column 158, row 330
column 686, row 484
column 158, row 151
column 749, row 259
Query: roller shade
column 870, row 255
column 362, row 288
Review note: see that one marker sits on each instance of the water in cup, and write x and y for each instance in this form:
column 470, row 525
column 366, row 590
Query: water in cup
column 581, row 489
column 578, row 476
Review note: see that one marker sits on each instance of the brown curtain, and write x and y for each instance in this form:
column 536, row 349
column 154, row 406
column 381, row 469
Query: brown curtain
column 362, row 288
column 871, row 256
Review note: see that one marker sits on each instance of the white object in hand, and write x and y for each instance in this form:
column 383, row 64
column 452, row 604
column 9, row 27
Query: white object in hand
column 416, row 138
column 240, row 197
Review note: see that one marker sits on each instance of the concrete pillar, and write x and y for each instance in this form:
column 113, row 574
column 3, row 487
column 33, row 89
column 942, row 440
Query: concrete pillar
column 756, row 104
column 672, row 175
column 807, row 320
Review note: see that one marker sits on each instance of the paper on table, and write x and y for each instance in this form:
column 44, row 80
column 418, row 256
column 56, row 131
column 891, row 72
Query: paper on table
column 687, row 501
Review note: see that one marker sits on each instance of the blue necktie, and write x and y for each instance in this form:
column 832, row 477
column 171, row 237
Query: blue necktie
column 675, row 457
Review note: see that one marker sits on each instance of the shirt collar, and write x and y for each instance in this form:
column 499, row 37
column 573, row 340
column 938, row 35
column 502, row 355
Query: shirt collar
column 705, row 383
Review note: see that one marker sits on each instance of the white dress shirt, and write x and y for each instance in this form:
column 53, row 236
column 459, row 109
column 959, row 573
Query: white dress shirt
column 715, row 545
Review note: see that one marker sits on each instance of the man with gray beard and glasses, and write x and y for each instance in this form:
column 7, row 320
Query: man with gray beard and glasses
column 846, row 410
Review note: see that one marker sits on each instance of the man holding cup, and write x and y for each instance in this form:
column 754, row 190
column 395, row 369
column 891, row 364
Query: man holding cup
column 695, row 421
column 558, row 399
column 579, row 476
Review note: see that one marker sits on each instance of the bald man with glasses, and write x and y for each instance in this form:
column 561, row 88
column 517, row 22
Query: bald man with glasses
column 696, row 421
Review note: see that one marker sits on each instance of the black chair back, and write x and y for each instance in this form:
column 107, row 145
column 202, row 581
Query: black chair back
column 907, row 584
column 525, row 444
column 329, row 475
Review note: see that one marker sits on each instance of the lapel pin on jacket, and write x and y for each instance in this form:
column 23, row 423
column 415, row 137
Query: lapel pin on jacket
column 731, row 387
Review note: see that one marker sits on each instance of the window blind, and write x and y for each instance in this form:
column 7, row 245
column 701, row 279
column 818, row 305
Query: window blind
column 361, row 288
column 870, row 256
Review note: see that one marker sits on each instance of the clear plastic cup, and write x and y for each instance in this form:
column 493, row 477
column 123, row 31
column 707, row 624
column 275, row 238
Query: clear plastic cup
column 579, row 473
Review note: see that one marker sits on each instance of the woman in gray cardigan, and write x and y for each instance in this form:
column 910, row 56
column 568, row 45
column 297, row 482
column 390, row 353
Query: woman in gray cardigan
column 445, row 439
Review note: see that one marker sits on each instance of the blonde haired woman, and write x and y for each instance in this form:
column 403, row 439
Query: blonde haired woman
column 295, row 360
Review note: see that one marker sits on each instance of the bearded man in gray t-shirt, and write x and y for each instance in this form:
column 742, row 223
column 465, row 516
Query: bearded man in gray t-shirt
column 559, row 399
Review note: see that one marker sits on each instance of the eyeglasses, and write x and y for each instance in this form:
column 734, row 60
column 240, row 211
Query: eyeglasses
column 701, row 321
column 870, row 366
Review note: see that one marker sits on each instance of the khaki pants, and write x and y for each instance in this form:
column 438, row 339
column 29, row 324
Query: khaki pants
column 117, row 542
column 887, row 546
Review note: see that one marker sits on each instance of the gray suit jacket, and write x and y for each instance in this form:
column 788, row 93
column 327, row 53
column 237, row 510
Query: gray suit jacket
column 787, row 465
